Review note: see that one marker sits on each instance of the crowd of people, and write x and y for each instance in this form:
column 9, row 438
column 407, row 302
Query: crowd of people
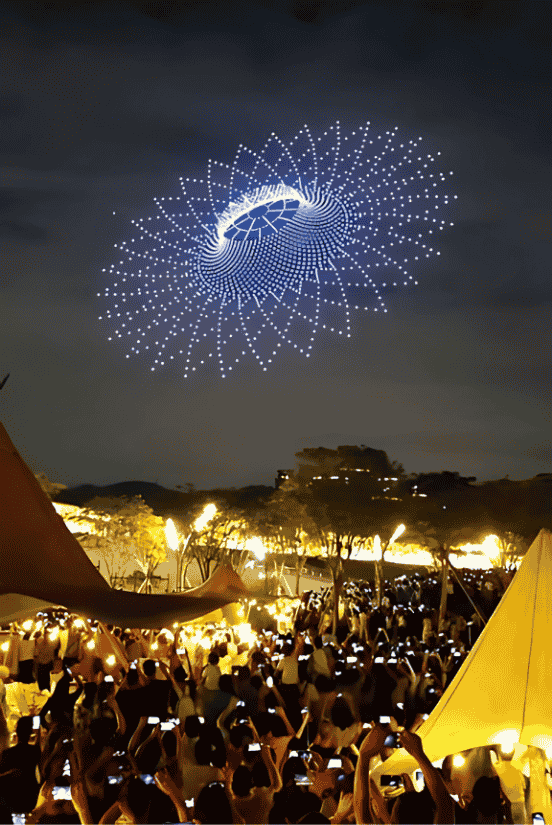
column 103, row 724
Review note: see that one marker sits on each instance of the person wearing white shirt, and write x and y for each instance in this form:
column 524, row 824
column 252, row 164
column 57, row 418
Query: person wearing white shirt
column 318, row 662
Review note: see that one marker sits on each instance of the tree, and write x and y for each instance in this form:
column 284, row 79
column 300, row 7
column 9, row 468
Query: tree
column 351, row 494
column 515, row 511
column 221, row 540
column 124, row 529
column 286, row 526
column 442, row 524
column 321, row 463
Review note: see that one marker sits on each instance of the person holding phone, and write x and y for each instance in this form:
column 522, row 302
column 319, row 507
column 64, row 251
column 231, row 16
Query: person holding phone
column 253, row 803
column 444, row 804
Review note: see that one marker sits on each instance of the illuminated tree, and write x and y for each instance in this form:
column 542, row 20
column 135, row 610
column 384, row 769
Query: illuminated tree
column 124, row 529
column 444, row 523
column 287, row 527
column 221, row 539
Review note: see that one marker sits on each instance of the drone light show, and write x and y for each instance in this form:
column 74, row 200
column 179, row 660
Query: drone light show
column 268, row 250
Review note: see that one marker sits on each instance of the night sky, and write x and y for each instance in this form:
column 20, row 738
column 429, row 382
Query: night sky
column 104, row 105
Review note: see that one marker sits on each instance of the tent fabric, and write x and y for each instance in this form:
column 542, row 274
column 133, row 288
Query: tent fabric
column 40, row 558
column 502, row 691
column 16, row 608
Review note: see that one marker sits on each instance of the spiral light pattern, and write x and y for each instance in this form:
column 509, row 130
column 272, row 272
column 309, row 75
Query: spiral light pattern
column 273, row 247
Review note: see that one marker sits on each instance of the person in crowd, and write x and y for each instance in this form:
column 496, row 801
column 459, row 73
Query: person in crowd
column 132, row 743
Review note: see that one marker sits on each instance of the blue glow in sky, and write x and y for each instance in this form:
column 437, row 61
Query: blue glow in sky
column 278, row 244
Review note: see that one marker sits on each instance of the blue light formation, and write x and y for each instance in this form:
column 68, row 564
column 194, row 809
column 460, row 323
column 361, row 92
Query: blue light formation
column 271, row 248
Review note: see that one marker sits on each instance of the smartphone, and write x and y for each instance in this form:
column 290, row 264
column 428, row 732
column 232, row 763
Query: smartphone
column 114, row 780
column 366, row 725
column 384, row 720
column 240, row 704
column 167, row 725
column 391, row 661
column 378, row 660
column 269, row 682
column 334, row 763
column 302, row 779
column 108, row 678
column 190, row 802
column 147, row 778
column 61, row 792
column 425, row 716
column 201, row 720
column 153, row 720
column 293, row 753
column 271, row 710
column 18, row 819
column 392, row 741
column 181, row 651
column 457, row 654
column 36, row 722
column 254, row 746
column 390, row 781
column 351, row 659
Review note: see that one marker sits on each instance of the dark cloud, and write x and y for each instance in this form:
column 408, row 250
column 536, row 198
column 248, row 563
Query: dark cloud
column 24, row 232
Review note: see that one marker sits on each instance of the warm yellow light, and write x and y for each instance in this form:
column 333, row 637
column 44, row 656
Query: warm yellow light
column 54, row 633
column 171, row 534
column 246, row 635
column 458, row 760
column 5, row 647
column 256, row 546
column 27, row 625
column 398, row 532
column 377, row 547
column 78, row 623
column 91, row 644
column 110, row 661
column 154, row 646
column 204, row 519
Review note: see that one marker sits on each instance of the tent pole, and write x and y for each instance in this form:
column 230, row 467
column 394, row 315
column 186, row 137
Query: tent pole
column 477, row 610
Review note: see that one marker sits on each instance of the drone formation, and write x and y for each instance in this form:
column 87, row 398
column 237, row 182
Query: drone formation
column 269, row 249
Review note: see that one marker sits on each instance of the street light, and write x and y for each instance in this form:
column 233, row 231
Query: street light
column 179, row 545
column 398, row 532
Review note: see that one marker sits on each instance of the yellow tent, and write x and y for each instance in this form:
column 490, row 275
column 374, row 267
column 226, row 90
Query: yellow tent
column 502, row 692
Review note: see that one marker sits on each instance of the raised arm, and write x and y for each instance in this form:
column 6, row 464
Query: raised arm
column 273, row 772
column 433, row 779
column 373, row 744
